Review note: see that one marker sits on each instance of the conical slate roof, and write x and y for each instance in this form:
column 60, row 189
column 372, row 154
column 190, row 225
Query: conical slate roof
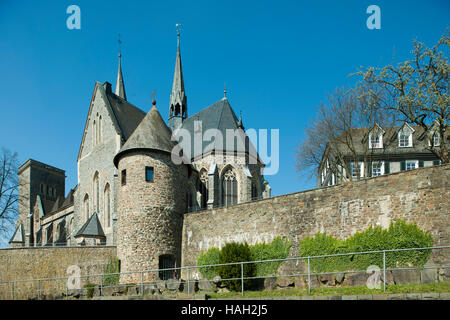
column 92, row 228
column 152, row 133
column 18, row 236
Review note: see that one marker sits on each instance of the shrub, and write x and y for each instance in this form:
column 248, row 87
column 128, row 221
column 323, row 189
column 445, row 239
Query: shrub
column 236, row 252
column 209, row 257
column 112, row 267
column 89, row 289
column 277, row 249
column 400, row 235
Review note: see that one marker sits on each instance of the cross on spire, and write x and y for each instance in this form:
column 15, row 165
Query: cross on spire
column 178, row 25
column 120, row 42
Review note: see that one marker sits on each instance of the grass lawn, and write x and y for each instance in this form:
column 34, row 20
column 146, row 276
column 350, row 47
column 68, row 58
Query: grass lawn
column 338, row 291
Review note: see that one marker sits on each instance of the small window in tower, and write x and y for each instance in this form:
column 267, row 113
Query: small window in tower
column 149, row 174
column 124, row 177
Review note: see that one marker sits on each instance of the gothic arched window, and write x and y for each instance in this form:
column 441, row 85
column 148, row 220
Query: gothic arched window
column 107, row 206
column 96, row 192
column 229, row 188
column 204, row 188
column 100, row 129
column 86, row 207
column 94, row 134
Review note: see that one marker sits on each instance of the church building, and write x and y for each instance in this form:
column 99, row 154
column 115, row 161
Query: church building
column 130, row 192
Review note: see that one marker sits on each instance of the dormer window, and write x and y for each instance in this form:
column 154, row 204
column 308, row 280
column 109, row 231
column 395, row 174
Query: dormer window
column 435, row 140
column 375, row 141
column 405, row 136
column 376, row 137
column 404, row 140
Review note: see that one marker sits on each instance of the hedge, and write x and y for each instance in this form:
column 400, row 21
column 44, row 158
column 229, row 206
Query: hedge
column 277, row 249
column 400, row 235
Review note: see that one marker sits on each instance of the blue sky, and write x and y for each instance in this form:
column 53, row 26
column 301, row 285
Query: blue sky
column 278, row 59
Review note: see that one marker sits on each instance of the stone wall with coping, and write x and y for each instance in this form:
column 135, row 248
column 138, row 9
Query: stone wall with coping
column 421, row 196
column 50, row 262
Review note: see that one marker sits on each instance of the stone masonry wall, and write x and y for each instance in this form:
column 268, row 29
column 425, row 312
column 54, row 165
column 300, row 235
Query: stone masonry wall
column 421, row 196
column 49, row 262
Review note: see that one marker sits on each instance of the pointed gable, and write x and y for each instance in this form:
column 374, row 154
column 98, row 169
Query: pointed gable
column 124, row 116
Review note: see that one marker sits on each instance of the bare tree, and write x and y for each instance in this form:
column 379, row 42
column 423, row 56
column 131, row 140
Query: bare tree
column 419, row 91
column 339, row 133
column 9, row 193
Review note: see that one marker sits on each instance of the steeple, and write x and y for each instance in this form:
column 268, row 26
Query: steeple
column 178, row 100
column 120, row 86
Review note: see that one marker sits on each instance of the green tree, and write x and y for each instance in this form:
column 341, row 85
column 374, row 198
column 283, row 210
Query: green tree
column 236, row 252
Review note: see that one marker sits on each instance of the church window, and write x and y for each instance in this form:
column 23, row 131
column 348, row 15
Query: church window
column 107, row 207
column 123, row 178
column 254, row 190
column 94, row 134
column 100, row 129
column 229, row 188
column 189, row 202
column 86, row 207
column 149, row 174
column 96, row 192
column 204, row 188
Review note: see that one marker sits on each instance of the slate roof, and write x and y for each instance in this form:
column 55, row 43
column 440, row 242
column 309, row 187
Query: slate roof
column 390, row 143
column 127, row 115
column 92, row 228
column 218, row 116
column 152, row 133
column 18, row 235
column 51, row 207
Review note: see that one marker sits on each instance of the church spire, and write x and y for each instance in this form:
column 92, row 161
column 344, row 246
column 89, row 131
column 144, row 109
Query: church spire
column 178, row 100
column 120, row 86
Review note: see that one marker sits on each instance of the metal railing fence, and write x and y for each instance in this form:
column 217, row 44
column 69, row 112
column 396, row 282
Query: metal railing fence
column 187, row 276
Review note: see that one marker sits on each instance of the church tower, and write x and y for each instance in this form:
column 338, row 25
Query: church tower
column 178, row 100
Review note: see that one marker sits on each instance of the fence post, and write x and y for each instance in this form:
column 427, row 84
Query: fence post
column 12, row 290
column 188, row 282
column 384, row 270
column 39, row 291
column 101, row 286
column 142, row 283
column 67, row 289
column 242, row 278
column 309, row 277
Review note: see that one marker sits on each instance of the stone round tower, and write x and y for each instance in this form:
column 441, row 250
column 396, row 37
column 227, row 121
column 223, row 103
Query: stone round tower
column 151, row 201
